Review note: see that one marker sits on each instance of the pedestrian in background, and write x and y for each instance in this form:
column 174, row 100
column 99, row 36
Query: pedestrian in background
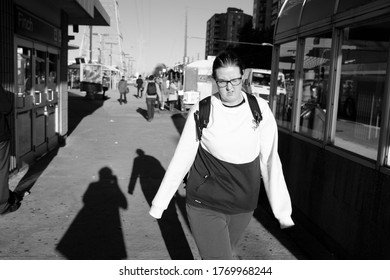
column 8, row 199
column 123, row 90
column 225, row 166
column 164, row 91
column 105, row 86
column 140, row 88
column 153, row 94
column 172, row 97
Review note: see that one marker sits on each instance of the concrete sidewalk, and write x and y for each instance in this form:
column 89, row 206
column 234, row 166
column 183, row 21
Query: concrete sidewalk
column 80, row 206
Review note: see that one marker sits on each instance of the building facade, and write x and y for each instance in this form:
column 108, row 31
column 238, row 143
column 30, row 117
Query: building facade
column 265, row 13
column 334, row 120
column 34, row 60
column 223, row 30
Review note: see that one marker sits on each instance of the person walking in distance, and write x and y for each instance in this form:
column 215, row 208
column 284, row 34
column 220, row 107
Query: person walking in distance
column 105, row 86
column 152, row 94
column 225, row 162
column 140, row 84
column 9, row 201
column 122, row 87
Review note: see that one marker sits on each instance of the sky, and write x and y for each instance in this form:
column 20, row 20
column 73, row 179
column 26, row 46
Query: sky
column 153, row 30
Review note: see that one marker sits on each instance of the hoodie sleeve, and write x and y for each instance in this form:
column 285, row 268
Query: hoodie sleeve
column 180, row 164
column 271, row 170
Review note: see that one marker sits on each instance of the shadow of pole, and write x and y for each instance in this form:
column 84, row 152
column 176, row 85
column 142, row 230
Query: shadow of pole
column 150, row 172
column 96, row 231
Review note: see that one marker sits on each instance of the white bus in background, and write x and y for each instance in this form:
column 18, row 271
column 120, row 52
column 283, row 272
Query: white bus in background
column 198, row 81
column 258, row 81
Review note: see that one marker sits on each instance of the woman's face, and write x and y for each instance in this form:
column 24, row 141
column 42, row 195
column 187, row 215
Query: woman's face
column 230, row 92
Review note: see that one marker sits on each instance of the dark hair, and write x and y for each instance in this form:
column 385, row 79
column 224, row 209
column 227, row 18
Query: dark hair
column 151, row 77
column 227, row 58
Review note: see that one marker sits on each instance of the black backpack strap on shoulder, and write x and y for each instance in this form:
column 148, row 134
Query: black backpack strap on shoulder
column 256, row 112
column 202, row 116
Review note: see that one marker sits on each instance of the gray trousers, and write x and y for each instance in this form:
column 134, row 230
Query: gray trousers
column 4, row 172
column 216, row 234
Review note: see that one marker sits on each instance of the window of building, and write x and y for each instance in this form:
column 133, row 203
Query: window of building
column 24, row 58
column 316, row 64
column 40, row 71
column 362, row 85
column 53, row 76
column 284, row 98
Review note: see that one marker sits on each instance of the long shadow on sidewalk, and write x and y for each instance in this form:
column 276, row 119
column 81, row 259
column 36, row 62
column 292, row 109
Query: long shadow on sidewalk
column 34, row 171
column 79, row 107
column 96, row 231
column 150, row 172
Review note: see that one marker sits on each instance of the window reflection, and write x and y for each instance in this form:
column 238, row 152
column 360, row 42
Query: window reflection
column 315, row 85
column 52, row 78
column 362, row 84
column 40, row 71
column 24, row 70
column 284, row 96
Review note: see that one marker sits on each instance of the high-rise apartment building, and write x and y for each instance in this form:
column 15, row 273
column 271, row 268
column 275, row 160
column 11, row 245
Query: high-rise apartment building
column 265, row 13
column 223, row 30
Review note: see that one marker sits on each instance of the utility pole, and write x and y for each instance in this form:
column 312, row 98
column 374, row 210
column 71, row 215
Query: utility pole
column 101, row 49
column 90, row 44
column 185, row 59
column 111, row 43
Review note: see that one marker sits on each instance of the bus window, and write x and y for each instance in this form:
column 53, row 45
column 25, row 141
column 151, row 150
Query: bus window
column 362, row 86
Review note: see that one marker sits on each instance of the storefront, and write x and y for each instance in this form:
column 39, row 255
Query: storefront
column 334, row 120
column 34, row 48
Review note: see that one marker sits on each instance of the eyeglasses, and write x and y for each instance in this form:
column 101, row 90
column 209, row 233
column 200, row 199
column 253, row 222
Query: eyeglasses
column 234, row 82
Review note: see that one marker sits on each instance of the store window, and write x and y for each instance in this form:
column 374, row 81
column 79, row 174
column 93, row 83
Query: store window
column 53, row 76
column 285, row 91
column 362, row 84
column 316, row 66
column 24, row 73
column 40, row 75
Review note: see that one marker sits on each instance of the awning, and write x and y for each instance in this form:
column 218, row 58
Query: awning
column 296, row 15
column 85, row 12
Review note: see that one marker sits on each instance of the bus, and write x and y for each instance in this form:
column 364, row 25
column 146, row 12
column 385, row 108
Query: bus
column 258, row 81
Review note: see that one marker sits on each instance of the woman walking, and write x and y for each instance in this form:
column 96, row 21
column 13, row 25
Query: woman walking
column 225, row 166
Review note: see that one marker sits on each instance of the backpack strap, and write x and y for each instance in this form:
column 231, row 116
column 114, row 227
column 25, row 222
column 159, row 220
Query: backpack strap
column 202, row 116
column 256, row 112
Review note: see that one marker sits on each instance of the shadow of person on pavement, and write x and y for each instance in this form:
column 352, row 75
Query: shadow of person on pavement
column 179, row 121
column 96, row 231
column 150, row 172
column 142, row 112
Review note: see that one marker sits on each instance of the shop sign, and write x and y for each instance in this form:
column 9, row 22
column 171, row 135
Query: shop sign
column 35, row 28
